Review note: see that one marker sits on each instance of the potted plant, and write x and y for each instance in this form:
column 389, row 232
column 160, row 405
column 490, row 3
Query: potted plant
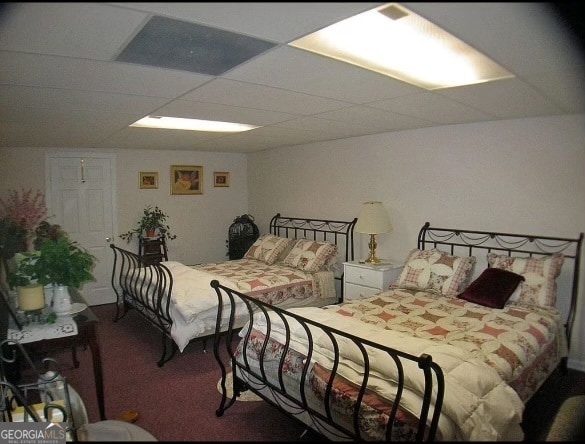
column 59, row 262
column 63, row 262
column 153, row 219
column 22, row 277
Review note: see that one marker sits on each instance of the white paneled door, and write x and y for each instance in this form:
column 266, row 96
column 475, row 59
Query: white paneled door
column 80, row 199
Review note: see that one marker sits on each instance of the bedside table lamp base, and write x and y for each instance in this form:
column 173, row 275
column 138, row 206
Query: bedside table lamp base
column 372, row 259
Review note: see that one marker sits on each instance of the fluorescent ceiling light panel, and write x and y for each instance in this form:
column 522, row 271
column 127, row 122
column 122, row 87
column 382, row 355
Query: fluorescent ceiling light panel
column 393, row 41
column 192, row 124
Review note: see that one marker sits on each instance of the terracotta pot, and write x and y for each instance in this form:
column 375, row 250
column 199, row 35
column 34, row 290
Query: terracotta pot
column 150, row 233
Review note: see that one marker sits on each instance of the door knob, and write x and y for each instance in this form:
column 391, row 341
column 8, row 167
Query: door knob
column 108, row 239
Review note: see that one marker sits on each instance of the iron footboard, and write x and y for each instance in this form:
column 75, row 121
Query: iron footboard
column 147, row 288
column 271, row 381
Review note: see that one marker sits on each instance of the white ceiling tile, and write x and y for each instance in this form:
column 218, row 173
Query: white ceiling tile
column 566, row 89
column 510, row 98
column 432, row 107
column 224, row 113
column 83, row 30
column 333, row 129
column 149, row 138
column 302, row 71
column 68, row 99
column 229, row 92
column 123, row 78
column 373, row 118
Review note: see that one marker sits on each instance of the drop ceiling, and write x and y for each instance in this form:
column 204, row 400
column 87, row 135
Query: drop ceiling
column 65, row 80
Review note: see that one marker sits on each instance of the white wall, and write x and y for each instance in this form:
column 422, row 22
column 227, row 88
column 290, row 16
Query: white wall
column 523, row 176
column 200, row 222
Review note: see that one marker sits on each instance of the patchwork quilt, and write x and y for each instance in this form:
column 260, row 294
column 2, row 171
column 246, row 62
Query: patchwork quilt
column 522, row 343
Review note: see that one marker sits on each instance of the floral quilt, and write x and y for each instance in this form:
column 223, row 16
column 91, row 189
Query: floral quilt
column 272, row 284
column 523, row 343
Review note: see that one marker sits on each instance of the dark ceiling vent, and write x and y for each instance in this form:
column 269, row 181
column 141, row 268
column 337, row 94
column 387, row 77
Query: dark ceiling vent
column 393, row 12
column 174, row 44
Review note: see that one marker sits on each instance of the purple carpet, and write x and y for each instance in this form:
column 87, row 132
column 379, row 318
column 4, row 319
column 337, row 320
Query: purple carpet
column 176, row 402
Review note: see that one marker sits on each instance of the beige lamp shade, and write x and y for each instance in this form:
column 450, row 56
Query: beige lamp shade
column 373, row 219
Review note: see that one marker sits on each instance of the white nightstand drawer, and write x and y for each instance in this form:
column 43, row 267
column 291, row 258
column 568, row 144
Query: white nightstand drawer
column 362, row 280
column 353, row 291
column 364, row 276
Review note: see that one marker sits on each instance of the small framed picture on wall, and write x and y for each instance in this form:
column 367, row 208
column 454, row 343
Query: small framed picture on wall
column 221, row 179
column 148, row 180
column 186, row 179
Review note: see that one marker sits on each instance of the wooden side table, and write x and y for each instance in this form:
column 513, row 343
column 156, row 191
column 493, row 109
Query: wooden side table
column 153, row 249
column 361, row 280
column 86, row 336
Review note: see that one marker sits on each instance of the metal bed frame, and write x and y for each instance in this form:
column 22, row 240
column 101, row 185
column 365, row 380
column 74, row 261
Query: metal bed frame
column 467, row 241
column 147, row 286
column 455, row 241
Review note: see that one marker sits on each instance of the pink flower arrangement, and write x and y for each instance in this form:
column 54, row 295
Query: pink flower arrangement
column 25, row 208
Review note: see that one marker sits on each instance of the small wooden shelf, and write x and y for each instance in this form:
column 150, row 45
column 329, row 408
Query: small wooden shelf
column 153, row 249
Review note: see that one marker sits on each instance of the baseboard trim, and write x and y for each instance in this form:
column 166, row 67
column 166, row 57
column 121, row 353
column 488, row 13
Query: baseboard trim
column 576, row 364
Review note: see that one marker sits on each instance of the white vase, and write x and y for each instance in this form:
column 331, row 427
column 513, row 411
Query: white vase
column 49, row 291
column 61, row 300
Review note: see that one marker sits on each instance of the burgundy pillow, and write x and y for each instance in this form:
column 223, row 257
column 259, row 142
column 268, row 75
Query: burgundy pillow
column 492, row 288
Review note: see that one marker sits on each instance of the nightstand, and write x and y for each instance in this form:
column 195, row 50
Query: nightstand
column 361, row 280
column 152, row 249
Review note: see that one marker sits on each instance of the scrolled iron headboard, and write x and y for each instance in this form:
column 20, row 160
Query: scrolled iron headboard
column 333, row 231
column 459, row 242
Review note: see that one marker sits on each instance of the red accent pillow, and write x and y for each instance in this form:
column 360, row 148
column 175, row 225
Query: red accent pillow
column 492, row 288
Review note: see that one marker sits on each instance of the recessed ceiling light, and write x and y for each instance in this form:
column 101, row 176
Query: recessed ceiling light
column 393, row 41
column 192, row 124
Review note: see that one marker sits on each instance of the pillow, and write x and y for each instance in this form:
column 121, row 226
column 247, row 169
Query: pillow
column 540, row 273
column 268, row 248
column 310, row 256
column 333, row 263
column 436, row 272
column 492, row 288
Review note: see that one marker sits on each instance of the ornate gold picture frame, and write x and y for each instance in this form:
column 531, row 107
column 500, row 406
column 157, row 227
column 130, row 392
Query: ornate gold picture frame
column 186, row 179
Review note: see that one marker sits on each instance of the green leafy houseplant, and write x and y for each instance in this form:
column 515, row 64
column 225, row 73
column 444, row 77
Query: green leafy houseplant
column 59, row 261
column 21, row 270
column 152, row 219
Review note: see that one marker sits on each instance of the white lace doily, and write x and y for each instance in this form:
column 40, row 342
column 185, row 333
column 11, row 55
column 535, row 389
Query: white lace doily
column 63, row 326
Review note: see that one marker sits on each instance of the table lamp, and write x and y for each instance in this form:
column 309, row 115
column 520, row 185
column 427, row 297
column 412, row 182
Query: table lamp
column 373, row 219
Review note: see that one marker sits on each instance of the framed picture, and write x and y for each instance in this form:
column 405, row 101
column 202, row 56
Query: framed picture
column 221, row 179
column 148, row 180
column 186, row 179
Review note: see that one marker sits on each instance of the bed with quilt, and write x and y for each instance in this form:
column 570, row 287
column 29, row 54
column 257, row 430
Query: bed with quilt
column 296, row 264
column 451, row 351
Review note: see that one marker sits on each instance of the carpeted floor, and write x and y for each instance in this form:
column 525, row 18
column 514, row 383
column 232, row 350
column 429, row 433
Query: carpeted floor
column 178, row 401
